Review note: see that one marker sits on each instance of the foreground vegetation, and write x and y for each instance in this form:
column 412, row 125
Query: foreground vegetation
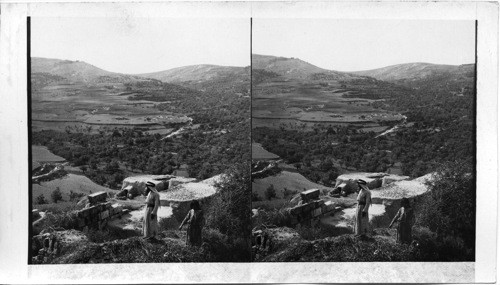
column 439, row 128
column 226, row 235
column 442, row 231
column 219, row 139
column 438, row 136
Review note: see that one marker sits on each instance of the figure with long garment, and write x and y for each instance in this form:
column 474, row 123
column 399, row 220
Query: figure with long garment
column 150, row 221
column 364, row 199
column 195, row 221
column 405, row 219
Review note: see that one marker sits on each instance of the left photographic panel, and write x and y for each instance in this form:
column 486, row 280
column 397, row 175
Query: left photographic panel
column 139, row 133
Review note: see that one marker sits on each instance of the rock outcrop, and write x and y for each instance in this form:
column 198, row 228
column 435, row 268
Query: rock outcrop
column 401, row 189
column 180, row 196
column 138, row 183
column 375, row 180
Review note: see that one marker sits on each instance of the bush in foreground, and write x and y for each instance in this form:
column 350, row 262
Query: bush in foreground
column 450, row 209
column 229, row 210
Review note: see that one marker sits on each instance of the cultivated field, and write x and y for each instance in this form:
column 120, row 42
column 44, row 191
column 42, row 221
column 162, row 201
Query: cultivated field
column 259, row 153
column 78, row 106
column 305, row 104
column 42, row 154
column 70, row 182
column 292, row 181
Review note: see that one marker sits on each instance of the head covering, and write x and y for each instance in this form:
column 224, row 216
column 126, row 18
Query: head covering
column 361, row 181
column 151, row 186
column 362, row 184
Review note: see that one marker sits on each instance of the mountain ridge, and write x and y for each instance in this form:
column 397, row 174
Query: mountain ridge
column 197, row 72
column 412, row 70
column 50, row 69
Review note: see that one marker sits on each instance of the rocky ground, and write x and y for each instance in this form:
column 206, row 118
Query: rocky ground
column 286, row 245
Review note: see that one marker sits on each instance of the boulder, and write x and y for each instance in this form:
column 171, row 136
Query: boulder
column 97, row 197
column 136, row 185
column 186, row 192
column 123, row 192
column 401, row 189
column 311, row 194
column 386, row 180
column 374, row 180
column 179, row 180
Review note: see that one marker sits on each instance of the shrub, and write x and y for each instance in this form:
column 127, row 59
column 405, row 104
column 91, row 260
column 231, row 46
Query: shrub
column 229, row 210
column 270, row 192
column 430, row 247
column 168, row 223
column 287, row 193
column 56, row 195
column 277, row 218
column 221, row 248
column 75, row 196
column 256, row 197
column 41, row 200
column 450, row 208
column 65, row 220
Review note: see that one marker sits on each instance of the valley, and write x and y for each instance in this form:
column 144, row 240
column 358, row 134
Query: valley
column 404, row 129
column 314, row 98
column 99, row 136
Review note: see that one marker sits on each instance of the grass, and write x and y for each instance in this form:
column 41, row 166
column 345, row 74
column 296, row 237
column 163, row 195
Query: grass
column 41, row 153
column 104, row 247
column 380, row 247
column 292, row 181
column 258, row 152
column 55, row 208
column 70, row 182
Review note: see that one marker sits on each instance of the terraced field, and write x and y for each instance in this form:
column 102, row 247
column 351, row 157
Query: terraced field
column 305, row 104
column 79, row 106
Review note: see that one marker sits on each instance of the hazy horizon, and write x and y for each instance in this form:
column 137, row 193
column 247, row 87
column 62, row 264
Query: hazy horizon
column 153, row 71
column 357, row 45
column 143, row 45
column 364, row 69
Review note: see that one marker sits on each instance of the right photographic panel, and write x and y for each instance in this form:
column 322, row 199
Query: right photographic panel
column 363, row 140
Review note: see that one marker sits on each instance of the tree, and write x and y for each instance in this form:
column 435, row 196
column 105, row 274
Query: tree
column 229, row 209
column 41, row 200
column 450, row 209
column 270, row 192
column 326, row 164
column 255, row 197
column 74, row 195
column 56, row 195
column 83, row 168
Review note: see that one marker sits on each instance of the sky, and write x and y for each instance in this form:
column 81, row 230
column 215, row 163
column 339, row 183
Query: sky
column 355, row 45
column 141, row 45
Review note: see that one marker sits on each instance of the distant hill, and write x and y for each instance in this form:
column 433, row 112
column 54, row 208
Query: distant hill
column 202, row 77
column 417, row 70
column 422, row 75
column 48, row 70
column 295, row 68
column 195, row 73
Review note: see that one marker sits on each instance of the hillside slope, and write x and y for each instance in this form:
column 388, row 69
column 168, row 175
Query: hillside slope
column 195, row 73
column 48, row 70
column 419, row 75
column 295, row 68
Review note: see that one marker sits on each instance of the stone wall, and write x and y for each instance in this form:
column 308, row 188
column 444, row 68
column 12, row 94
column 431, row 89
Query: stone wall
column 98, row 215
column 310, row 208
